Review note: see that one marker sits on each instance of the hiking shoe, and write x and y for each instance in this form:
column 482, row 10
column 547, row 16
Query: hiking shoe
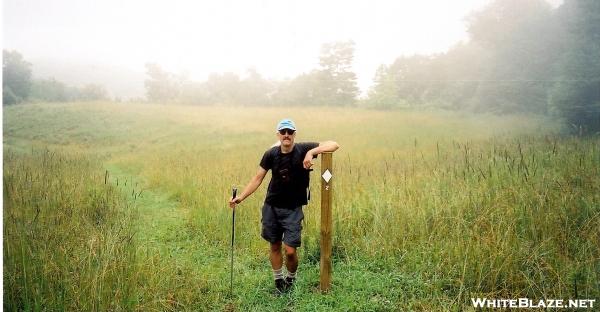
column 289, row 282
column 280, row 285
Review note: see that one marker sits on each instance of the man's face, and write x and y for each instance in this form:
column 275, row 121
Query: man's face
column 286, row 137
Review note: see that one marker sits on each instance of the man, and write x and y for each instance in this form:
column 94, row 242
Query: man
column 282, row 210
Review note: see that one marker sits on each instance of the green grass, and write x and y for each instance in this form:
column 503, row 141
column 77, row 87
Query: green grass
column 430, row 209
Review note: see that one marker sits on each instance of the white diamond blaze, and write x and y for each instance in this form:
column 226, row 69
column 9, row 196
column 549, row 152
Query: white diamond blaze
column 327, row 175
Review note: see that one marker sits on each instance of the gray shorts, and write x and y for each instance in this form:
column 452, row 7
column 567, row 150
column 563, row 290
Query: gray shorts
column 280, row 224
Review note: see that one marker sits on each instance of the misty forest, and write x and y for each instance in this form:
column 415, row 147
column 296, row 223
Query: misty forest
column 522, row 57
column 472, row 173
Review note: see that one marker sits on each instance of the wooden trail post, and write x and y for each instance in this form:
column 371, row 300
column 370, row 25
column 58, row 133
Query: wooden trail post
column 326, row 220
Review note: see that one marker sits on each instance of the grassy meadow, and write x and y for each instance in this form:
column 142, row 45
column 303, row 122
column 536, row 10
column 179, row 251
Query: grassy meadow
column 124, row 207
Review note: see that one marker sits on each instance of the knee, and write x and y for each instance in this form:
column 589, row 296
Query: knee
column 290, row 252
column 276, row 247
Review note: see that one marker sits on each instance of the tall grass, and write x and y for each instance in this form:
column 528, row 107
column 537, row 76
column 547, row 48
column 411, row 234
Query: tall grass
column 67, row 236
column 430, row 209
column 488, row 219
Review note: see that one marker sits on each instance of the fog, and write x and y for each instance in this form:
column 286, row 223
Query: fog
column 98, row 41
column 497, row 56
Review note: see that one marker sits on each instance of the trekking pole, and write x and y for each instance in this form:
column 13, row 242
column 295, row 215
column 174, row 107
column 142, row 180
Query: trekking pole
column 232, row 239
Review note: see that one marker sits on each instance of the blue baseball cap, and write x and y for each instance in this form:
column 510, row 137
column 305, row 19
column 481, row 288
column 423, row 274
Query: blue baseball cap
column 286, row 124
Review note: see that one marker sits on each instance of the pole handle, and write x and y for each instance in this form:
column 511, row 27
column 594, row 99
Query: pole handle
column 234, row 193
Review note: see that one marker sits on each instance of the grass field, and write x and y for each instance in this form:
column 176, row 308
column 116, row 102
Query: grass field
column 124, row 207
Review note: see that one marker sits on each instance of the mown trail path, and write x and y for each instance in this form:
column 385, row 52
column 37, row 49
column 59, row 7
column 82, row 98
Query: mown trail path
column 188, row 270
column 197, row 270
column 160, row 221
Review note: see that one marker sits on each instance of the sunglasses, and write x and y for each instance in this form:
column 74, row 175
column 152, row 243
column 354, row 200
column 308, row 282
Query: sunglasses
column 288, row 131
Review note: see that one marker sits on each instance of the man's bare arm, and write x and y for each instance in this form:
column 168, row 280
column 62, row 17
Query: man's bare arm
column 250, row 187
column 327, row 146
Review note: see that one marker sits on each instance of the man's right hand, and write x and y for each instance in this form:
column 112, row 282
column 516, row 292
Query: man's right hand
column 234, row 201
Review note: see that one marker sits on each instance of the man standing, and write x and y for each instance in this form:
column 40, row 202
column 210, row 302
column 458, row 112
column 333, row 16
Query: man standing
column 282, row 215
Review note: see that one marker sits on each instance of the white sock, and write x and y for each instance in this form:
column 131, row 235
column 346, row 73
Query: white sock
column 278, row 274
column 291, row 274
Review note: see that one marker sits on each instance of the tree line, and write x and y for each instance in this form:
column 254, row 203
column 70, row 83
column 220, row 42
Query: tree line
column 523, row 56
column 333, row 83
column 18, row 85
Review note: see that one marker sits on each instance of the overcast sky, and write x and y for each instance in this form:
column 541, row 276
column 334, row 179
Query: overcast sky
column 279, row 38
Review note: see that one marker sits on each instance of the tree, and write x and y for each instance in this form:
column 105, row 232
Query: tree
column 225, row 88
column 160, row 85
column 521, row 55
column 9, row 97
column 304, row 90
column 577, row 96
column 409, row 81
column 16, row 81
column 93, row 92
column 49, row 90
column 255, row 90
column 336, row 78
column 385, row 92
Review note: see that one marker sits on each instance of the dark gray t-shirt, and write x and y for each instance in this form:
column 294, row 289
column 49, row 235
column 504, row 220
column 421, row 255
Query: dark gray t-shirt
column 289, row 179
